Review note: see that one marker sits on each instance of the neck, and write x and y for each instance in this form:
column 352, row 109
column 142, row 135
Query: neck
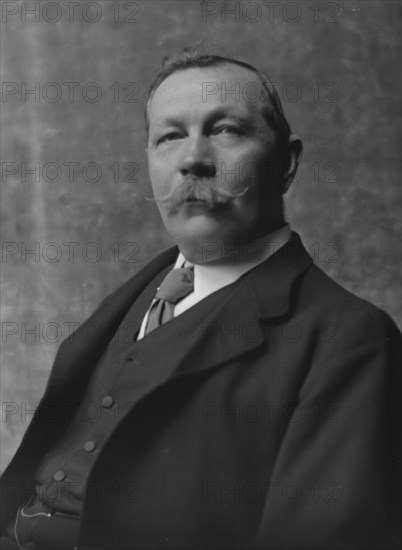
column 222, row 252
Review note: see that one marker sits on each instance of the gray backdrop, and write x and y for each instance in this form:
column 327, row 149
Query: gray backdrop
column 74, row 175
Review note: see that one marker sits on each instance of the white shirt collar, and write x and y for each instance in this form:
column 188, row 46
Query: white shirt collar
column 210, row 278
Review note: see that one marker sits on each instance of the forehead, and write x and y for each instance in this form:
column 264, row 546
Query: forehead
column 201, row 90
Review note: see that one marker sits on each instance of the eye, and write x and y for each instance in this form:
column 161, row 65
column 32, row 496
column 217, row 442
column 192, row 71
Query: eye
column 228, row 130
column 170, row 136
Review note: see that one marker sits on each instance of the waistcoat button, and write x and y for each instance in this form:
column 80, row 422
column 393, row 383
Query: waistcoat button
column 59, row 475
column 90, row 446
column 107, row 401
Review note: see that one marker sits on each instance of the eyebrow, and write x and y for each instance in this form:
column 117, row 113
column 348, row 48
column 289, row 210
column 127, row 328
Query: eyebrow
column 212, row 116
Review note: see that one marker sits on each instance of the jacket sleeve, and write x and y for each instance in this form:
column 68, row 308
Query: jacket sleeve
column 336, row 483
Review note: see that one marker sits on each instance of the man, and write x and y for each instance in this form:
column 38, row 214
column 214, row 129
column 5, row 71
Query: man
column 252, row 402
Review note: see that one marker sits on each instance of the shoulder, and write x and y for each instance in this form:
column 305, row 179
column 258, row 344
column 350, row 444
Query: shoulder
column 316, row 297
column 331, row 300
column 353, row 338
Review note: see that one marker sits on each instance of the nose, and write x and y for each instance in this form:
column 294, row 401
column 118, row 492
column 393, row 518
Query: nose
column 198, row 159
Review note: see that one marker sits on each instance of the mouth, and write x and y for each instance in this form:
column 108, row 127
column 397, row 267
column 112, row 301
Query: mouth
column 203, row 206
column 195, row 200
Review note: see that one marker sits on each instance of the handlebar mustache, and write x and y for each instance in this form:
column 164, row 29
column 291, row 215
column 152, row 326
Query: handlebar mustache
column 193, row 190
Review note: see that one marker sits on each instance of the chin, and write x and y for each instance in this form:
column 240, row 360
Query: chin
column 198, row 225
column 196, row 235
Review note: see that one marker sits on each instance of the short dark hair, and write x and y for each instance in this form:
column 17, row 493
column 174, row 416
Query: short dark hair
column 190, row 59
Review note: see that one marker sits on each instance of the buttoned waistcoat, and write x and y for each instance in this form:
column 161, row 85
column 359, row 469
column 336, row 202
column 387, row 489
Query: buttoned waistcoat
column 264, row 417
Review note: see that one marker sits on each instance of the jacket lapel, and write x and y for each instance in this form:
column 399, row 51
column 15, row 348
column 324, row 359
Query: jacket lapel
column 80, row 352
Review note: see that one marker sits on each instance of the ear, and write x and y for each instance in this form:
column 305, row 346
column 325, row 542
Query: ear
column 292, row 158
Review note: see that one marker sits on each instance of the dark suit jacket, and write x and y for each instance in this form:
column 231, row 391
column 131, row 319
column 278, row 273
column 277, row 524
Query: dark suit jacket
column 264, row 417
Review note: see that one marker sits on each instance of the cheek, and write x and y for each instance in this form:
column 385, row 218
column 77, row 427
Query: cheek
column 250, row 166
column 157, row 174
column 250, row 173
column 264, row 171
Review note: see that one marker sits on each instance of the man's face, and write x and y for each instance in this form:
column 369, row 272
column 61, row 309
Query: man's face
column 200, row 141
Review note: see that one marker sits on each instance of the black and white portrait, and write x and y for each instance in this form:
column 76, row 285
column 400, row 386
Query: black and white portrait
column 201, row 344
